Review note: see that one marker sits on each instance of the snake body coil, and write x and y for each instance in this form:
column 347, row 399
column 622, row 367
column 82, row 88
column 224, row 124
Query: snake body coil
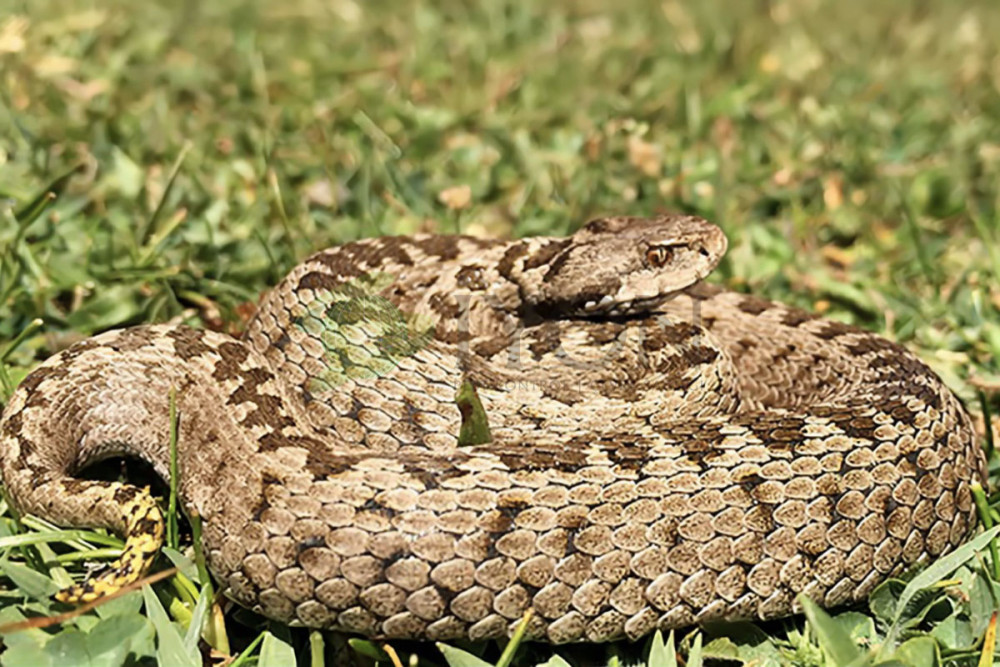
column 664, row 452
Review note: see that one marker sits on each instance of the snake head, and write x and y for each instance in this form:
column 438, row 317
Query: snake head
column 620, row 266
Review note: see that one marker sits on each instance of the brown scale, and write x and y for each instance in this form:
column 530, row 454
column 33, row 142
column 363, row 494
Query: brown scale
column 710, row 466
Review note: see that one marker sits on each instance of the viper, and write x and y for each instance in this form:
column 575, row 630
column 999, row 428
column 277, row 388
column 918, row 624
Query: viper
column 661, row 451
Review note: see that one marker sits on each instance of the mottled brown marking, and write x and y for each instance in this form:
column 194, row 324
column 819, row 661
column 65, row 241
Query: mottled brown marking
column 125, row 494
column 509, row 260
column 131, row 339
column 547, row 339
column 542, row 457
column 832, row 329
column 12, row 425
column 441, row 247
column 752, row 305
column 471, row 277
column 671, row 334
column 270, row 411
column 74, row 351
column 601, row 333
column 678, row 370
column 232, row 357
column 445, row 306
column 42, row 374
column 323, row 281
column 188, row 343
column 546, row 254
column 489, row 347
column 795, row 317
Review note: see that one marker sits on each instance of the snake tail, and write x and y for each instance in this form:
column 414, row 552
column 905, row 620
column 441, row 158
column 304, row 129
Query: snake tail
column 143, row 533
column 101, row 398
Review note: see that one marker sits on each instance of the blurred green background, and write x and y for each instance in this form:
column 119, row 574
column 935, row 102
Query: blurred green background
column 196, row 150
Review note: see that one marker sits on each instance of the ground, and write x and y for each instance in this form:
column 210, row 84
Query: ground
column 195, row 151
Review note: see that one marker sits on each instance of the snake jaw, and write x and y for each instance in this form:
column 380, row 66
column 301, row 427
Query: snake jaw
column 620, row 266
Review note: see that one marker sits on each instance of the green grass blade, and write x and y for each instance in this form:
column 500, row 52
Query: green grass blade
column 695, row 658
column 983, row 509
column 149, row 229
column 456, row 657
column 936, row 571
column 317, row 646
column 836, row 644
column 247, row 654
column 198, row 618
column 170, row 646
column 511, row 648
column 660, row 654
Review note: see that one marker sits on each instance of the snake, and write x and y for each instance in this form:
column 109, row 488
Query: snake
column 661, row 451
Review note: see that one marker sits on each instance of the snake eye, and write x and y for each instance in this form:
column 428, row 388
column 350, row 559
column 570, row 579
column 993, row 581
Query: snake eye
column 659, row 256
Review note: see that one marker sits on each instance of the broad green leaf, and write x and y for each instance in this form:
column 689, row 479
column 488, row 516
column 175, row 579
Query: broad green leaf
column 456, row 657
column 885, row 599
column 981, row 603
column 758, row 654
column 276, row 652
column 859, row 627
column 193, row 633
column 130, row 603
column 929, row 603
column 30, row 582
column 170, row 648
column 111, row 641
column 744, row 643
column 918, row 652
column 69, row 647
column 27, row 655
column 555, row 661
column 86, row 622
column 722, row 648
column 185, row 565
column 125, row 175
column 368, row 648
column 32, row 636
column 955, row 632
column 833, row 639
column 937, row 571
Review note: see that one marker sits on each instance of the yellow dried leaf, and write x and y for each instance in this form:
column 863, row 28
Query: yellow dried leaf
column 12, row 32
column 644, row 156
column 456, row 198
column 833, row 193
column 837, row 256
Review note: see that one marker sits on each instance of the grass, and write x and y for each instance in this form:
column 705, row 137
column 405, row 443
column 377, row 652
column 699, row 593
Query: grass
column 195, row 151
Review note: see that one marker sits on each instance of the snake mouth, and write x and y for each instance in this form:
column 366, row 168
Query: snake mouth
column 608, row 307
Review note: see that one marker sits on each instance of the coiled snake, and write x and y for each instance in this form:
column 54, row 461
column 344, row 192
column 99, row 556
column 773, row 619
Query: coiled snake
column 663, row 452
